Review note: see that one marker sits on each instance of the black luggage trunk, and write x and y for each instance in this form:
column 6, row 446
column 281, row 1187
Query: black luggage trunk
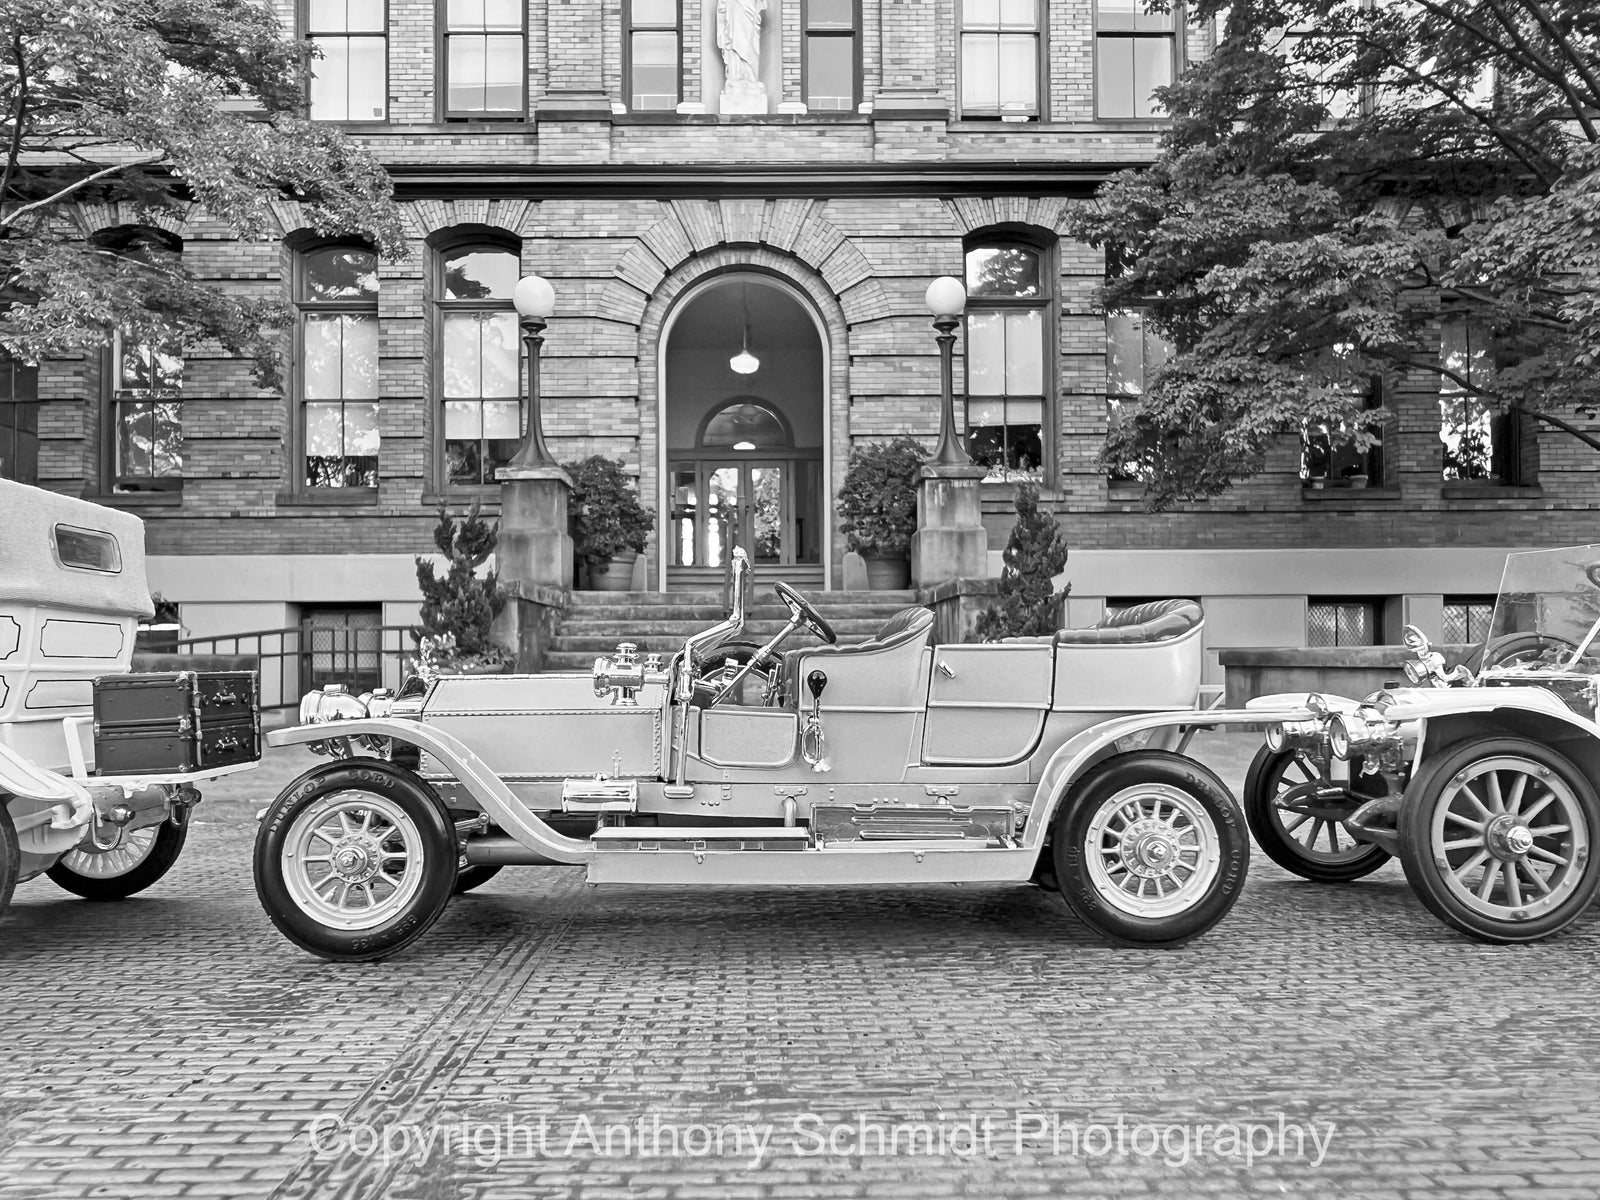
column 175, row 723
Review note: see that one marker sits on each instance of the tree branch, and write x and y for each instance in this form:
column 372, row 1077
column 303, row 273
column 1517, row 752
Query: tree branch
column 1565, row 427
column 1542, row 15
column 14, row 154
column 10, row 218
column 1551, row 73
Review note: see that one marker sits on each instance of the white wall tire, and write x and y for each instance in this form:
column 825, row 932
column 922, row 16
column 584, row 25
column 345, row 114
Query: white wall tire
column 1150, row 849
column 355, row 860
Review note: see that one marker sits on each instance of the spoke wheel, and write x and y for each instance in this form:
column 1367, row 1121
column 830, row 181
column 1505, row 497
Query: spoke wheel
column 136, row 862
column 1150, row 849
column 355, row 860
column 1497, row 839
column 10, row 857
column 1315, row 848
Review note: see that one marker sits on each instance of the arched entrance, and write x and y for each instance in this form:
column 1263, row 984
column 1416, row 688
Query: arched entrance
column 744, row 430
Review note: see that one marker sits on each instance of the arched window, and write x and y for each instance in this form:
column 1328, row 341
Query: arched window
column 745, row 425
column 336, row 310
column 479, row 362
column 1009, row 332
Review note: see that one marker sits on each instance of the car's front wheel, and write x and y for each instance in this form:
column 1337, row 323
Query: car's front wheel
column 1314, row 847
column 1150, row 849
column 10, row 857
column 136, row 862
column 1497, row 837
column 355, row 861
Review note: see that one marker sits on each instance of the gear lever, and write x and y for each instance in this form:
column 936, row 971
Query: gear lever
column 813, row 744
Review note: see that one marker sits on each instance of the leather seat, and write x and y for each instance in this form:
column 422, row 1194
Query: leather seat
column 1156, row 621
column 909, row 624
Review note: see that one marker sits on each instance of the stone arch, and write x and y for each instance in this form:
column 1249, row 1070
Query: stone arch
column 93, row 218
column 431, row 217
column 826, row 308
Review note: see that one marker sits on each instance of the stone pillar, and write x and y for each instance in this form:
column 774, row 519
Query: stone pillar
column 950, row 542
column 533, row 557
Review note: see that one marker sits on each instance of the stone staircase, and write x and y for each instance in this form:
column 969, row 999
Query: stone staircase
column 658, row 622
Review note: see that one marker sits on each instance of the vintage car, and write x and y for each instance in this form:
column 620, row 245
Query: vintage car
column 1481, row 777
column 71, row 596
column 895, row 761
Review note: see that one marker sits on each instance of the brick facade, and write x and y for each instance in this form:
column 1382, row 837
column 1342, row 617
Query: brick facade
column 857, row 211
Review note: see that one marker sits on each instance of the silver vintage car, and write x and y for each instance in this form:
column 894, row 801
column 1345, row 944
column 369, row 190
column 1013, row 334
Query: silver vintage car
column 1481, row 777
column 1053, row 760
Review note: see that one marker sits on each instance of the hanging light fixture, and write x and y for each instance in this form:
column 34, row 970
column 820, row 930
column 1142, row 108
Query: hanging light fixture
column 744, row 363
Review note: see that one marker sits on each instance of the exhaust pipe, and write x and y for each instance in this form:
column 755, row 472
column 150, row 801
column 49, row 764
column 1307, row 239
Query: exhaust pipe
column 500, row 850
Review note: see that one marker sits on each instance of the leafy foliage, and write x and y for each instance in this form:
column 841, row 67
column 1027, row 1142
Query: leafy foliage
column 1323, row 201
column 461, row 606
column 1035, row 554
column 164, row 107
column 604, row 512
column 878, row 503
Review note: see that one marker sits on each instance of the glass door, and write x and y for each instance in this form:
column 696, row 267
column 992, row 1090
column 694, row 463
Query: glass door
column 767, row 507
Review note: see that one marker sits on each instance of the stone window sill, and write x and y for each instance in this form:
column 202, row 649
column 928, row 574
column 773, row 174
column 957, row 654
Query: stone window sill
column 169, row 498
column 1490, row 491
column 328, row 498
column 1348, row 495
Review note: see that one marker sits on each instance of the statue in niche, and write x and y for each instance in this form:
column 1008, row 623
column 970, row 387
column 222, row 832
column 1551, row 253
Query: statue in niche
column 739, row 39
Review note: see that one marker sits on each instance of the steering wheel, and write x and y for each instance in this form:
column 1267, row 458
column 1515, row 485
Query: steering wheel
column 802, row 611
column 1527, row 647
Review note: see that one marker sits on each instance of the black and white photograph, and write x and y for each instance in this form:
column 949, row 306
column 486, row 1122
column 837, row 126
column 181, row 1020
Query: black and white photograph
column 799, row 599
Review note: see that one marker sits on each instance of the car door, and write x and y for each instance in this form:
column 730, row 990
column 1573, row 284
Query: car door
column 987, row 704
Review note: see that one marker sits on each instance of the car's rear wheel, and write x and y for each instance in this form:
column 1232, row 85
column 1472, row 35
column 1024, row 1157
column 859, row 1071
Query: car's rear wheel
column 355, row 861
column 138, row 860
column 1497, row 837
column 1316, row 848
column 10, row 857
column 1150, row 849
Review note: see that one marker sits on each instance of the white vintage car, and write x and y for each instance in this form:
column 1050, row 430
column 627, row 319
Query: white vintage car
column 71, row 595
column 1482, row 778
column 897, row 761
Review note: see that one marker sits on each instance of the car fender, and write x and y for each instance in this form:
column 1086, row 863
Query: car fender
column 1078, row 754
column 498, row 801
column 1459, row 713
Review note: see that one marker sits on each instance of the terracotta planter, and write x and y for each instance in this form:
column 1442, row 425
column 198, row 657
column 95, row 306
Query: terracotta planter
column 614, row 575
column 888, row 574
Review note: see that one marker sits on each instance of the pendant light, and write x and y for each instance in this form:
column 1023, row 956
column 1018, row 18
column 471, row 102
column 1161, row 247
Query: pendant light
column 744, row 363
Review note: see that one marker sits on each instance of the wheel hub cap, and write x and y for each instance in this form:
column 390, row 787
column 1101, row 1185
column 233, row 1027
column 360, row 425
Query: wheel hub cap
column 1149, row 849
column 1508, row 838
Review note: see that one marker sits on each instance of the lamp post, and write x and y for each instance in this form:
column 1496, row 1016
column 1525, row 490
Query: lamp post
column 947, row 300
column 534, row 300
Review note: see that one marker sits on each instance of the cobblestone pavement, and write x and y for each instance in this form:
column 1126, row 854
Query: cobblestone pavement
column 174, row 1044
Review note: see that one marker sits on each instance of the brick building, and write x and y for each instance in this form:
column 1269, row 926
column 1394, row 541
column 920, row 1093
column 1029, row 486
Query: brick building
column 785, row 182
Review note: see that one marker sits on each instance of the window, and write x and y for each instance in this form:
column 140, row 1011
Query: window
column 653, row 40
column 337, row 312
column 1000, row 58
column 1331, row 457
column 1135, row 52
column 19, row 421
column 146, row 431
column 1480, row 443
column 1316, row 64
column 1341, row 623
column 831, row 55
column 350, row 79
column 480, row 365
column 1135, row 352
column 1467, row 618
column 87, row 549
column 484, row 58
column 1008, row 315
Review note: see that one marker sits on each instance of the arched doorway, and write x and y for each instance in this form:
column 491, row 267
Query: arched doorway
column 744, row 434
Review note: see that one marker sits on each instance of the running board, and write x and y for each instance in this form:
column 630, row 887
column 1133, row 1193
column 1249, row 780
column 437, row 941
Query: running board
column 883, row 863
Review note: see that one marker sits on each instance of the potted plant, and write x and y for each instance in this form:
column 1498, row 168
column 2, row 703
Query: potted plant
column 608, row 524
column 1316, row 455
column 878, row 508
column 458, row 610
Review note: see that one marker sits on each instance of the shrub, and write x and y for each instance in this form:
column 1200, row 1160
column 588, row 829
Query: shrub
column 878, row 502
column 1035, row 553
column 458, row 610
column 604, row 514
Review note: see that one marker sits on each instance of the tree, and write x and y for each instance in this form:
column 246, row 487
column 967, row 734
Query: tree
column 1034, row 555
column 160, row 106
column 1325, row 201
column 463, row 605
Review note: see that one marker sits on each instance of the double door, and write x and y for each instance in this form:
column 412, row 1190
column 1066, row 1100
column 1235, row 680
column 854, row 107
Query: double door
column 770, row 507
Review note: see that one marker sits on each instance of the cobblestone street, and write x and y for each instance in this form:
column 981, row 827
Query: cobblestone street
column 174, row 1044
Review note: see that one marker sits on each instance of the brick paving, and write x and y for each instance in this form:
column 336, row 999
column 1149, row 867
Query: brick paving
column 175, row 1045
